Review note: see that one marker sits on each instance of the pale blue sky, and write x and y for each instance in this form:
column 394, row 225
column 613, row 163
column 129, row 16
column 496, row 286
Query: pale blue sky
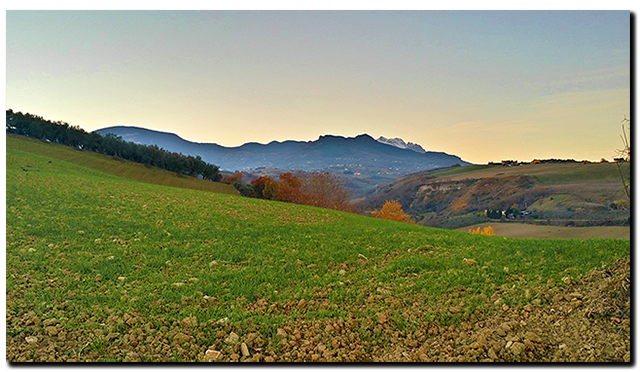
column 483, row 85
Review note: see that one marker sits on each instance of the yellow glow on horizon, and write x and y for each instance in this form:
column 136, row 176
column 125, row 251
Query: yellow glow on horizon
column 463, row 84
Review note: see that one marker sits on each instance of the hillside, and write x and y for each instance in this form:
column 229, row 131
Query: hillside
column 111, row 165
column 104, row 268
column 579, row 194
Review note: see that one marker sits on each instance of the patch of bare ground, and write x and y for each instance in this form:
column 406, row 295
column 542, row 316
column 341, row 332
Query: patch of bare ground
column 521, row 230
column 589, row 321
column 586, row 321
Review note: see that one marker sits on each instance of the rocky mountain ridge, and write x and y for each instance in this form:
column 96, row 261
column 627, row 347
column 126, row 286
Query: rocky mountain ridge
column 400, row 143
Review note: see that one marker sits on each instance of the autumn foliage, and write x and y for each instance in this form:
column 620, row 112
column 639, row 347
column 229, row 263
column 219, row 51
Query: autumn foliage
column 316, row 189
column 486, row 231
column 290, row 189
column 326, row 191
column 232, row 178
column 265, row 187
column 392, row 210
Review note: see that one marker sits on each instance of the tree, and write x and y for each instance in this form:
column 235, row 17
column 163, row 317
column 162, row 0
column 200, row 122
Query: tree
column 512, row 212
column 325, row 190
column 624, row 155
column 265, row 187
column 317, row 189
column 233, row 178
column 488, row 231
column 211, row 172
column 289, row 189
column 392, row 210
column 495, row 214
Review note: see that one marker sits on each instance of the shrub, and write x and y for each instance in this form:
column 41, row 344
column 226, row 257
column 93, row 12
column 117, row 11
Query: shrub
column 486, row 231
column 392, row 210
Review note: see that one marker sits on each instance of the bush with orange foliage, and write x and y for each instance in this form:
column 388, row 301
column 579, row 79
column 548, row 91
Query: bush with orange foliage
column 392, row 210
column 486, row 231
column 232, row 178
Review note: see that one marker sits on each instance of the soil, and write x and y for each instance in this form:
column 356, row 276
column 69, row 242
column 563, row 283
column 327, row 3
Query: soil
column 588, row 322
column 521, row 230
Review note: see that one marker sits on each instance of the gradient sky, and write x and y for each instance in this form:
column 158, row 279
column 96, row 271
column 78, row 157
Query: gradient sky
column 483, row 85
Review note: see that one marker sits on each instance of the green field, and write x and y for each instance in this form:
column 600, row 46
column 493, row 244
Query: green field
column 20, row 145
column 101, row 267
column 550, row 174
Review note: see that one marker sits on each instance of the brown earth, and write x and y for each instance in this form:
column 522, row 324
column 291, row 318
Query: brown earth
column 521, row 230
column 587, row 321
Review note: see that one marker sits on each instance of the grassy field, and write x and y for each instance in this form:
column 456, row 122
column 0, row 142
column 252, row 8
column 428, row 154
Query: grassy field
column 20, row 145
column 551, row 174
column 104, row 268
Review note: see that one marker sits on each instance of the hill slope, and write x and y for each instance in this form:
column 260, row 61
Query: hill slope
column 576, row 193
column 112, row 165
column 102, row 268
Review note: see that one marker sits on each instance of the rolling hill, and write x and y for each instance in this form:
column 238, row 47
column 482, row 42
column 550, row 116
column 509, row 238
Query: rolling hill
column 570, row 194
column 103, row 268
column 112, row 165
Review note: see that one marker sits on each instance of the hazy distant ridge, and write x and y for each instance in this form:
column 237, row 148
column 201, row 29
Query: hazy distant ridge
column 326, row 151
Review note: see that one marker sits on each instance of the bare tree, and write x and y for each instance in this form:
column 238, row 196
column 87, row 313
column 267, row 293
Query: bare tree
column 624, row 155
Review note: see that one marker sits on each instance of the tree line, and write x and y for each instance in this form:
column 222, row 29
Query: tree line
column 60, row 132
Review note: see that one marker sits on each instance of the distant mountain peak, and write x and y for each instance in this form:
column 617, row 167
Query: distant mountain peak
column 400, row 143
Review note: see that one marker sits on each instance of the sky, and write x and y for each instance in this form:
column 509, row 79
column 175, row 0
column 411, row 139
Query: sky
column 482, row 85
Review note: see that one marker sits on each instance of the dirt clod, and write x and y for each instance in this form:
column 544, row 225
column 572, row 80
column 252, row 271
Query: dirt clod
column 586, row 320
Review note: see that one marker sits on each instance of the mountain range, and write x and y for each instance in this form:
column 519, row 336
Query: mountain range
column 327, row 151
